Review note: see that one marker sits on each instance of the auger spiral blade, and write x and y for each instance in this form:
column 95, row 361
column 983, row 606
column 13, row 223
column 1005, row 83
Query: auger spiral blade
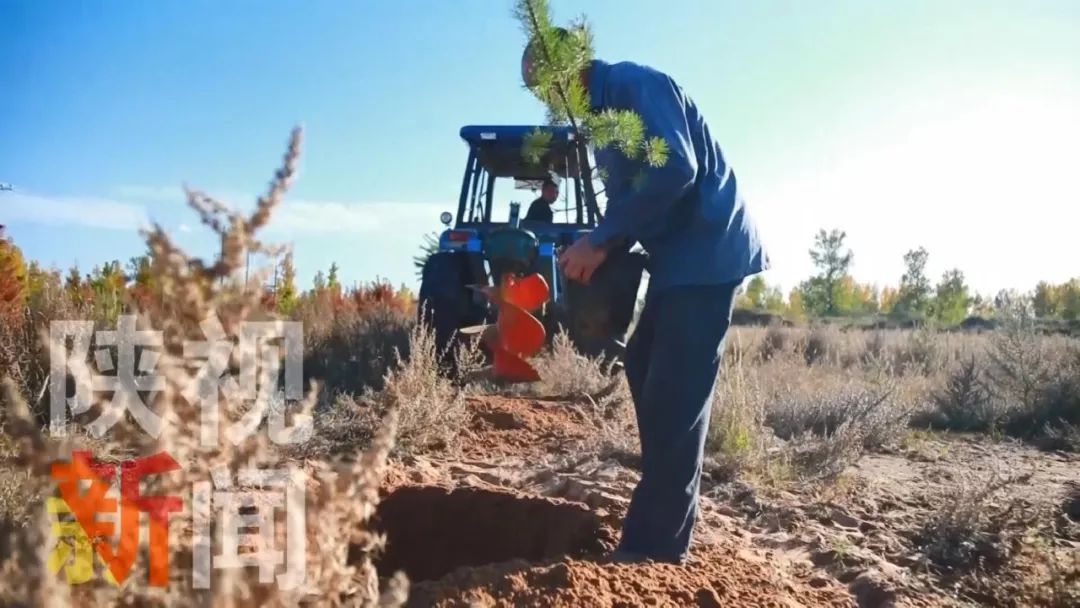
column 517, row 334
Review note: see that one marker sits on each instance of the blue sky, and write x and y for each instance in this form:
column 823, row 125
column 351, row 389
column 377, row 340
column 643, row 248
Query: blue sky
column 949, row 124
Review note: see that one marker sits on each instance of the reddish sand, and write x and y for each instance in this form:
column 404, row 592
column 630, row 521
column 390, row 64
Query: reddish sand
column 492, row 546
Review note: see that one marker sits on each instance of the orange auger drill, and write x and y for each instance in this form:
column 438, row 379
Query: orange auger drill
column 516, row 334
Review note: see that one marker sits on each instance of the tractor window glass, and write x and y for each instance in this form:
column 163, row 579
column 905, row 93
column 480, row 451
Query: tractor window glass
column 509, row 190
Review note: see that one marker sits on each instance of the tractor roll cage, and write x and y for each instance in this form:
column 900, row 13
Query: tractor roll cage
column 496, row 151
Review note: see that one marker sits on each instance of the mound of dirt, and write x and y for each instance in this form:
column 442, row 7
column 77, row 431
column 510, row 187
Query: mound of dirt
column 523, row 427
column 718, row 577
column 432, row 531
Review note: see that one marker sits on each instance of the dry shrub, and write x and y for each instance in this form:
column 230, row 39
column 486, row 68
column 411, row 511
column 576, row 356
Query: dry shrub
column 817, row 457
column 1052, row 417
column 1019, row 362
column 1060, row 436
column 971, row 529
column 566, row 373
column 589, row 383
column 966, row 402
column 430, row 409
column 469, row 360
column 776, row 342
column 817, row 401
column 342, row 492
column 920, row 352
column 428, row 405
column 20, row 490
column 22, row 358
column 830, row 431
column 1013, row 381
column 353, row 352
column 874, row 350
column 1026, row 385
column 774, row 413
column 617, row 422
column 821, row 345
column 747, row 344
column 341, row 425
column 23, row 354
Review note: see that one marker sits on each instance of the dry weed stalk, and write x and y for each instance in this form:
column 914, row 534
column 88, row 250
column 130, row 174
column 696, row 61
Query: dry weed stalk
column 341, row 493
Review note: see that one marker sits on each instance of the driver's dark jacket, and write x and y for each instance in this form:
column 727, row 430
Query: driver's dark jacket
column 687, row 213
column 540, row 211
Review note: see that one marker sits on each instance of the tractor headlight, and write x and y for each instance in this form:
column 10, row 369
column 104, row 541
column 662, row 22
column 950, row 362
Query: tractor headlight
column 445, row 218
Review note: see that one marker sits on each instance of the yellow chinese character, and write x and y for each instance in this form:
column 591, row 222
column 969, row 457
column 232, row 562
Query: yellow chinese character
column 73, row 551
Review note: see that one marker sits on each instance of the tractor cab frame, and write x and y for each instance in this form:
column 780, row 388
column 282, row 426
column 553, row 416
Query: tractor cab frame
column 478, row 247
column 496, row 152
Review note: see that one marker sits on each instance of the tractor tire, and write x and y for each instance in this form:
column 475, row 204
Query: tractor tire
column 445, row 302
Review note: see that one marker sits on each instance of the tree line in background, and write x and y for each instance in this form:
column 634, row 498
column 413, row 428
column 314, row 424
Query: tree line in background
column 832, row 292
column 108, row 290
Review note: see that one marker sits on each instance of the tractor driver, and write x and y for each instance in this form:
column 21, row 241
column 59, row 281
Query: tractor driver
column 540, row 209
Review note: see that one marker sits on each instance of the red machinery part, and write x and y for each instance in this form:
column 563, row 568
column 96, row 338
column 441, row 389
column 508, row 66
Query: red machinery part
column 517, row 334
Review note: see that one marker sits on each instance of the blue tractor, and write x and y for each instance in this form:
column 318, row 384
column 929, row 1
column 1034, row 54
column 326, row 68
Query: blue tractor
column 488, row 238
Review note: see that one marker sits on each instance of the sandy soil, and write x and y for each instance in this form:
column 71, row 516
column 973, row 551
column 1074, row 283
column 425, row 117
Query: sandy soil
column 528, row 510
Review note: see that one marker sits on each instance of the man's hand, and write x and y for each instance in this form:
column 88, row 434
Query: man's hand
column 581, row 259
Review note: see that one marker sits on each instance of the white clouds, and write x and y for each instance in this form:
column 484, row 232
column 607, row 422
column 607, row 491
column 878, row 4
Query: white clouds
column 299, row 217
column 368, row 239
column 322, row 217
column 90, row 212
column 149, row 194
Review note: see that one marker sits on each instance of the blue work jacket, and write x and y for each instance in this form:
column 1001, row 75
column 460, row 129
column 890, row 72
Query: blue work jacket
column 688, row 213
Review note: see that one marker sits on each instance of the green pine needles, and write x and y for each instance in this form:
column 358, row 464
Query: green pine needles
column 558, row 57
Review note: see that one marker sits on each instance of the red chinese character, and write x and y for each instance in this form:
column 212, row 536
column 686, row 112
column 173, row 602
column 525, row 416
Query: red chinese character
column 89, row 505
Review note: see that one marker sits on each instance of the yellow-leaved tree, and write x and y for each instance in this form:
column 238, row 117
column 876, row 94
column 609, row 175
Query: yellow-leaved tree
column 12, row 283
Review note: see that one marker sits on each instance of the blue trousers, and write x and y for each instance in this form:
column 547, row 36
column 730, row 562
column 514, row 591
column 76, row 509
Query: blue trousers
column 672, row 361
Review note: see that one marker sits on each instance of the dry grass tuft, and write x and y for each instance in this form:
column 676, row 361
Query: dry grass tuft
column 737, row 435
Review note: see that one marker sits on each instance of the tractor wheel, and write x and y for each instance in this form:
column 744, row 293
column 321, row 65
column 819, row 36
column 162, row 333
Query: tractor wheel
column 445, row 303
